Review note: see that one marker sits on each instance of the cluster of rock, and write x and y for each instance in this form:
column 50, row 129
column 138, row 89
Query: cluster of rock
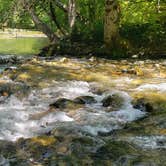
column 113, row 102
column 9, row 60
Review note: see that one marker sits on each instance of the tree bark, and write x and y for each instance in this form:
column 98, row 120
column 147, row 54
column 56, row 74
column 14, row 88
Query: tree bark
column 71, row 13
column 111, row 24
column 61, row 6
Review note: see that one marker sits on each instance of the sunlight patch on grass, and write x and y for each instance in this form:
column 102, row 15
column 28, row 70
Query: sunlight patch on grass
column 22, row 46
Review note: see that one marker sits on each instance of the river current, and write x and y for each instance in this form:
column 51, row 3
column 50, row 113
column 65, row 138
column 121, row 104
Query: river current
column 28, row 116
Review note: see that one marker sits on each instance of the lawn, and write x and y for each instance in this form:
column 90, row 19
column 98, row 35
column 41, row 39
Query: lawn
column 22, row 46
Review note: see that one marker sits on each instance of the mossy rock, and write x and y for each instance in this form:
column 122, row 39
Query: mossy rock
column 153, row 103
column 85, row 100
column 149, row 125
column 64, row 103
column 114, row 101
column 37, row 147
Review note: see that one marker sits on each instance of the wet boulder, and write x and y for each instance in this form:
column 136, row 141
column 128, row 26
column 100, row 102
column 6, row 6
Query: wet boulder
column 85, row 100
column 143, row 105
column 64, row 103
column 114, row 102
column 152, row 104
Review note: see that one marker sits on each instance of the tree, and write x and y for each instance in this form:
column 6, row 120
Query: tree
column 71, row 13
column 119, row 24
column 111, row 24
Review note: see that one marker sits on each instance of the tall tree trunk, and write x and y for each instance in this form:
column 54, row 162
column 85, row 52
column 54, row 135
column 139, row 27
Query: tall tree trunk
column 111, row 25
column 71, row 13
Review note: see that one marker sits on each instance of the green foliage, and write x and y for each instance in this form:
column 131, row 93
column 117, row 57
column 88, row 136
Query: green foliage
column 92, row 28
column 142, row 22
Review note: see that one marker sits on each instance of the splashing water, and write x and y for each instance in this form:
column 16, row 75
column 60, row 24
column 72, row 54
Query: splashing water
column 15, row 114
column 101, row 121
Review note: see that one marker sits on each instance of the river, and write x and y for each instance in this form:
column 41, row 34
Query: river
column 120, row 120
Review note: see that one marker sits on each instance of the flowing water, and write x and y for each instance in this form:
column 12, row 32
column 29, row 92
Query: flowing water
column 15, row 114
column 28, row 116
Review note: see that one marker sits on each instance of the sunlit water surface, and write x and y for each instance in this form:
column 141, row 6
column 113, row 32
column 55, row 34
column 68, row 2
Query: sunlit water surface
column 91, row 119
column 15, row 114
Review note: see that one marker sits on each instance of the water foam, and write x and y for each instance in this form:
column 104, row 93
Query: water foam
column 15, row 114
column 157, row 87
column 101, row 121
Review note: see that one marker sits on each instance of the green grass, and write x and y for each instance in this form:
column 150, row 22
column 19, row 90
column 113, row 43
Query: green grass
column 22, row 46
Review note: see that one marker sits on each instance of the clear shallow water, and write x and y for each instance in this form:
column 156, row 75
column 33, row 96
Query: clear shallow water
column 15, row 114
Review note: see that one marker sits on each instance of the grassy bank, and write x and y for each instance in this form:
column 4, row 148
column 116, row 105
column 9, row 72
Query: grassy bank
column 22, row 46
column 21, row 42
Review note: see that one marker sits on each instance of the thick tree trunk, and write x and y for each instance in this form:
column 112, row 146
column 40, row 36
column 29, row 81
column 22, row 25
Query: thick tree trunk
column 111, row 25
